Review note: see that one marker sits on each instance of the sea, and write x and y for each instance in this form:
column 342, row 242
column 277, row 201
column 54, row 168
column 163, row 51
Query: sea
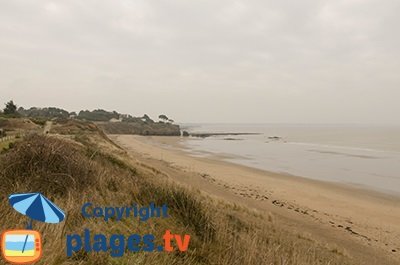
column 363, row 156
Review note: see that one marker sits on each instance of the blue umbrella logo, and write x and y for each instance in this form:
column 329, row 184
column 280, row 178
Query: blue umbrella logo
column 36, row 207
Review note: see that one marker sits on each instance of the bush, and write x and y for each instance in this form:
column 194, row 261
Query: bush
column 39, row 121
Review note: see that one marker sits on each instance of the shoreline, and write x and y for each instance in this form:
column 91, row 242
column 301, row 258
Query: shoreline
column 363, row 223
column 174, row 143
column 360, row 168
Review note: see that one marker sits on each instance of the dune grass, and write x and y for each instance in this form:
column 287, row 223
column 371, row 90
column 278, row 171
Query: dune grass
column 72, row 172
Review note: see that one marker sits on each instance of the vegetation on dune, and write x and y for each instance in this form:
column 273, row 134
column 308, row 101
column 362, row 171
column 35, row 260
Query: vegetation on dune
column 73, row 127
column 17, row 124
column 46, row 164
column 87, row 167
column 50, row 112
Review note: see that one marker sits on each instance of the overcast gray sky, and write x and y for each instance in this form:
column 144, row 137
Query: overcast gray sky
column 206, row 61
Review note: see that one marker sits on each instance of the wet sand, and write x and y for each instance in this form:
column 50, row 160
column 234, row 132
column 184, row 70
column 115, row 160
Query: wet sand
column 362, row 224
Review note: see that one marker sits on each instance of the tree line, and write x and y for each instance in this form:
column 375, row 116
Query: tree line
column 12, row 110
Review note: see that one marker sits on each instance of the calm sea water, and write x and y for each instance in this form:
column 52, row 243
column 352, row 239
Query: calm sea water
column 363, row 156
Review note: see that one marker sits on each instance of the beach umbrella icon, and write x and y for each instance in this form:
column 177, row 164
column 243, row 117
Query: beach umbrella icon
column 36, row 207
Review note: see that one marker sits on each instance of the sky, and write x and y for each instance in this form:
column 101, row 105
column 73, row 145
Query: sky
column 204, row 60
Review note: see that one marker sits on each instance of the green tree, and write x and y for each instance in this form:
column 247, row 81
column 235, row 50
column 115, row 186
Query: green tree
column 10, row 108
column 98, row 115
column 163, row 117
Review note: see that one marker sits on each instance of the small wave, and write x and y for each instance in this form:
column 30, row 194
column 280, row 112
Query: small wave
column 344, row 147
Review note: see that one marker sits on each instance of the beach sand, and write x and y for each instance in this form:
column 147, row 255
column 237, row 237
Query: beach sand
column 362, row 224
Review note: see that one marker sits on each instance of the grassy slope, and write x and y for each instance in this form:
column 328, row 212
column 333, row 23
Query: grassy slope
column 87, row 167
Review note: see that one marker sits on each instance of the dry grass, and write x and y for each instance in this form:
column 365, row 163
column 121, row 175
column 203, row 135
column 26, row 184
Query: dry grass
column 11, row 124
column 72, row 173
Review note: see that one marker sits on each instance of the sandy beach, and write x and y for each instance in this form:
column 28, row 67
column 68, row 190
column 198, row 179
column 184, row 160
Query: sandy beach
column 362, row 224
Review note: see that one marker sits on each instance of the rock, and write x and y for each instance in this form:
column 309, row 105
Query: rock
column 274, row 137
